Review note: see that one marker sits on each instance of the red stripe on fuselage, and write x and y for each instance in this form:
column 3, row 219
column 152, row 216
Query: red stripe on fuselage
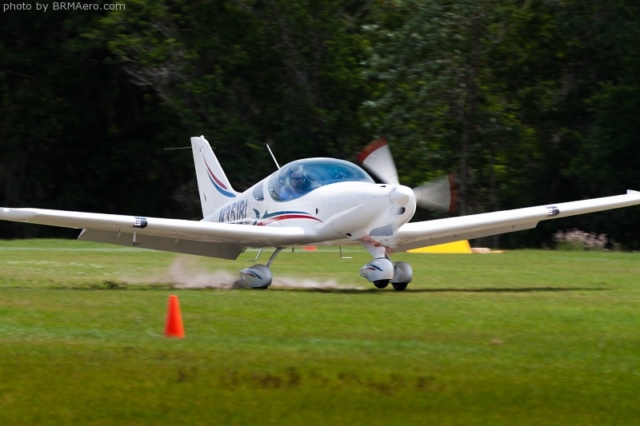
column 285, row 217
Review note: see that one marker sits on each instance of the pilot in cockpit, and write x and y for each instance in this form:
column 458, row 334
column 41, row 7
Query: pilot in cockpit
column 298, row 184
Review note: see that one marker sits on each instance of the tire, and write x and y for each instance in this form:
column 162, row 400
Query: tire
column 381, row 283
column 399, row 286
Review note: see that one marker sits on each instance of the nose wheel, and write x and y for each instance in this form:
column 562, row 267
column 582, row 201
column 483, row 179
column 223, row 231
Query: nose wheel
column 381, row 283
column 399, row 286
column 402, row 275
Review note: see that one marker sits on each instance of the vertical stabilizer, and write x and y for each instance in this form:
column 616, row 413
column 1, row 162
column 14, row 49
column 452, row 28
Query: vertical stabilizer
column 213, row 185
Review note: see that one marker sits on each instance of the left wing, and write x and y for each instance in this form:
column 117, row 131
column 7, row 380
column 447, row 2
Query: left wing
column 181, row 236
column 422, row 234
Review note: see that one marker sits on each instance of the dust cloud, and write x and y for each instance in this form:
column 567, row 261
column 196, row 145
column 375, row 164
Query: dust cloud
column 185, row 274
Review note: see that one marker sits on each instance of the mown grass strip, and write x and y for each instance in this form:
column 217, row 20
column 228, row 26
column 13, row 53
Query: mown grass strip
column 525, row 337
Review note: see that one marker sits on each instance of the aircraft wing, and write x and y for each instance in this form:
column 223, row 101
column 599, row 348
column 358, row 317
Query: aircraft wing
column 422, row 234
column 175, row 235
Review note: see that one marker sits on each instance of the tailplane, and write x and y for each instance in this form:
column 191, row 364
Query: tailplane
column 213, row 185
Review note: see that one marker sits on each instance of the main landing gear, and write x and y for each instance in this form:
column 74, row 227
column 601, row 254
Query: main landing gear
column 259, row 277
column 381, row 271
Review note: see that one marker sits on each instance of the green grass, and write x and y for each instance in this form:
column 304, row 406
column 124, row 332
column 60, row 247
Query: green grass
column 524, row 337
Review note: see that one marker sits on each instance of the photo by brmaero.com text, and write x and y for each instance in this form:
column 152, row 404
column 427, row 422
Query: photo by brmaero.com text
column 58, row 6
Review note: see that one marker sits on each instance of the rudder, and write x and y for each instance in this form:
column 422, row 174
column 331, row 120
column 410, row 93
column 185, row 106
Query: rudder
column 213, row 185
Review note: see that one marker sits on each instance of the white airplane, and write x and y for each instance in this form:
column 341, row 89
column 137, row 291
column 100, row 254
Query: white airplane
column 314, row 201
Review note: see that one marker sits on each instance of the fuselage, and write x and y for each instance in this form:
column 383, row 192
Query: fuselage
column 334, row 199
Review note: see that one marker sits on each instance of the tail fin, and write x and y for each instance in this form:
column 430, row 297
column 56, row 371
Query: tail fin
column 213, row 185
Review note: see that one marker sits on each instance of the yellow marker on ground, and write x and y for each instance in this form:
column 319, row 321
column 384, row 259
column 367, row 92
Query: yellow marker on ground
column 453, row 247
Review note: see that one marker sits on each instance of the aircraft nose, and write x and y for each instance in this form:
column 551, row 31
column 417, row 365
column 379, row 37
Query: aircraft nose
column 400, row 196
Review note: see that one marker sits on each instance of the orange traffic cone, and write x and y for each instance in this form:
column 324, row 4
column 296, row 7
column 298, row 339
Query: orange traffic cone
column 174, row 327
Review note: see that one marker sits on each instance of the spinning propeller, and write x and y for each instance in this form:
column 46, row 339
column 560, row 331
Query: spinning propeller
column 439, row 194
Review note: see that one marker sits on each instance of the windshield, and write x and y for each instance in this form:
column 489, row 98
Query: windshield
column 301, row 177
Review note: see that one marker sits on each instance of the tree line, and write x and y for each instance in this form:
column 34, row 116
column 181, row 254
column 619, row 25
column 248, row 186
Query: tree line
column 527, row 102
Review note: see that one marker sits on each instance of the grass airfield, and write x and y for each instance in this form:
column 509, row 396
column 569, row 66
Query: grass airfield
column 524, row 338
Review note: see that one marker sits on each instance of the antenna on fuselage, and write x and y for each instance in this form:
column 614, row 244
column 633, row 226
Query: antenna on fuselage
column 273, row 156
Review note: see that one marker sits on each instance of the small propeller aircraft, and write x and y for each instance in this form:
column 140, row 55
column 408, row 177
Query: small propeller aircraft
column 313, row 201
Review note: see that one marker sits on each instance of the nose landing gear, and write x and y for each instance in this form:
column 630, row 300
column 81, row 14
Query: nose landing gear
column 378, row 271
column 381, row 271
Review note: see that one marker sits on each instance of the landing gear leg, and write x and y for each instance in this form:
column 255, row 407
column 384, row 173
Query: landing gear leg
column 259, row 276
column 274, row 255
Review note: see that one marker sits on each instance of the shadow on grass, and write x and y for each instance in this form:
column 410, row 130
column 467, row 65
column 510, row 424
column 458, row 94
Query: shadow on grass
column 104, row 285
column 445, row 290
column 507, row 290
column 112, row 285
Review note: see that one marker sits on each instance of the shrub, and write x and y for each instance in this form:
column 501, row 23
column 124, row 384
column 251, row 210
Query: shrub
column 579, row 240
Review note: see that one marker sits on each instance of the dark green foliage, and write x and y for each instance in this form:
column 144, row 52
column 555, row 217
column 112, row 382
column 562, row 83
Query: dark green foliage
column 528, row 102
column 76, row 134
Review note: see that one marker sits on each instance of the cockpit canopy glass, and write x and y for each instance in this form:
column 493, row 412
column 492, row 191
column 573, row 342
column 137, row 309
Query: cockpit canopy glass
column 301, row 177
